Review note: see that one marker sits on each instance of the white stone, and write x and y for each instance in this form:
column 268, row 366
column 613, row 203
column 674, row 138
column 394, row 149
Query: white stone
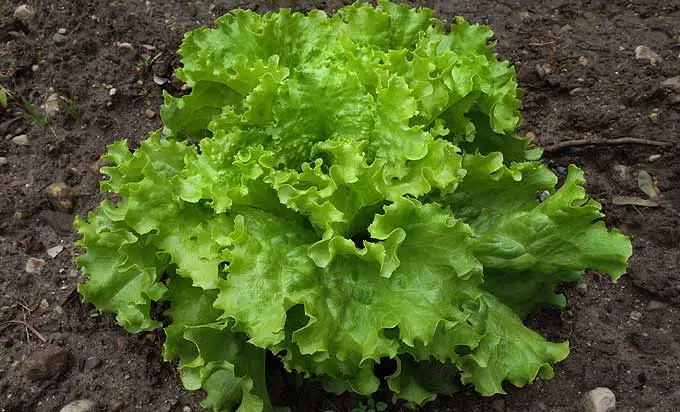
column 54, row 251
column 672, row 83
column 21, row 140
column 34, row 265
column 599, row 400
column 24, row 13
column 51, row 105
column 82, row 405
column 645, row 53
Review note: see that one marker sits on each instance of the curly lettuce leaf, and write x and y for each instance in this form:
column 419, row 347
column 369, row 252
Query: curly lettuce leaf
column 337, row 191
column 381, row 75
column 508, row 350
column 123, row 271
column 528, row 247
column 211, row 356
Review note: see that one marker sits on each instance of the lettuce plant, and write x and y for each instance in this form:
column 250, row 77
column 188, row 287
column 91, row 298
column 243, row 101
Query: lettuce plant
column 340, row 191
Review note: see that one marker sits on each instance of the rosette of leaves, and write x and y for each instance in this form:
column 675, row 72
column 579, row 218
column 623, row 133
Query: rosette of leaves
column 339, row 191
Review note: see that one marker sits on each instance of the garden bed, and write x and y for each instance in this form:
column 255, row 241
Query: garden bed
column 577, row 63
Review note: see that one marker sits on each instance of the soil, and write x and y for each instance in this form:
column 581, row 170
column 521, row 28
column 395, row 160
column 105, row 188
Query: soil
column 576, row 61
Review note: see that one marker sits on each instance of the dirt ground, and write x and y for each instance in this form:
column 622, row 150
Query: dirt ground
column 575, row 59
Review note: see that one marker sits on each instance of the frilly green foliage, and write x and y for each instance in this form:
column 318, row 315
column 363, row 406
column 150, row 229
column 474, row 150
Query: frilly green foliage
column 358, row 191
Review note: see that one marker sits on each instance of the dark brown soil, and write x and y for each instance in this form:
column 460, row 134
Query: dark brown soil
column 624, row 336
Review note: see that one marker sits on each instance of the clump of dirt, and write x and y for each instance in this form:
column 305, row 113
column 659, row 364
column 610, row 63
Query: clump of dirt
column 575, row 60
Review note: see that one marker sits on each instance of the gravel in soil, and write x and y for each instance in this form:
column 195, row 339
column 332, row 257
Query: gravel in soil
column 94, row 72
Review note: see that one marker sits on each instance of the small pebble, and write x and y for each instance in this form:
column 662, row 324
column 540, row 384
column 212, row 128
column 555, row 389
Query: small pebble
column 35, row 68
column 21, row 140
column 159, row 80
column 125, row 45
column 645, row 53
column 3, row 161
column 654, row 157
column 92, row 363
column 116, row 406
column 149, row 113
column 672, row 83
column 654, row 116
column 635, row 315
column 60, row 196
column 61, row 31
column 47, row 363
column 34, row 265
column 55, row 251
column 59, row 38
column 576, row 91
column 583, row 61
column 112, row 91
column 51, row 106
column 82, row 405
column 599, row 400
column 24, row 13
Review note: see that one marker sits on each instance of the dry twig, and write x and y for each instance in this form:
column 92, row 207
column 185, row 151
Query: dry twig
column 27, row 326
column 541, row 44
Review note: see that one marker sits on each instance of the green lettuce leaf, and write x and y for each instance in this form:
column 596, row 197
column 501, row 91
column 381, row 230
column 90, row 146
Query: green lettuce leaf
column 338, row 191
column 211, row 356
column 123, row 269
